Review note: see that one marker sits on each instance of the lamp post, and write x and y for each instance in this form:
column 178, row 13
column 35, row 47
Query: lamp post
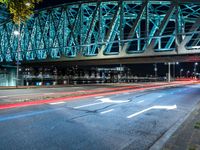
column 195, row 69
column 188, row 73
column 174, row 69
column 17, row 33
column 181, row 70
column 168, row 75
column 155, row 70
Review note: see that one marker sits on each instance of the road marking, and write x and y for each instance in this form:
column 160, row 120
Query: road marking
column 140, row 101
column 107, row 111
column 108, row 100
column 151, row 108
column 88, row 105
column 56, row 103
column 3, row 96
column 160, row 96
column 125, row 93
column 99, row 97
column 103, row 100
column 49, row 93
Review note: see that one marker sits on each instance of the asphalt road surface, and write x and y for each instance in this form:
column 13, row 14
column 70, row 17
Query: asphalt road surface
column 134, row 120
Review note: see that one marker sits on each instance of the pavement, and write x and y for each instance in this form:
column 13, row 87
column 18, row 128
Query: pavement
column 187, row 136
column 129, row 120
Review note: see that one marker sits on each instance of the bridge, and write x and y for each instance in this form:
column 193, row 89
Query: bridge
column 106, row 30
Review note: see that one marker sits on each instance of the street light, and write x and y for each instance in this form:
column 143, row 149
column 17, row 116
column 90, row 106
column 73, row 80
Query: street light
column 181, row 70
column 28, row 4
column 17, row 33
column 195, row 69
column 174, row 69
column 168, row 75
column 188, row 73
column 155, row 69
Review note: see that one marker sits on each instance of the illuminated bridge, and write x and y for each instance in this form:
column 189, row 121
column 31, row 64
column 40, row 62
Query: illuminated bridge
column 106, row 30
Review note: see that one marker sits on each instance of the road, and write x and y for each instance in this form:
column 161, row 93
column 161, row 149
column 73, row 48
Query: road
column 132, row 120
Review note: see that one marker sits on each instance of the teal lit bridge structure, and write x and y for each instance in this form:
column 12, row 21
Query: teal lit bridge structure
column 96, row 30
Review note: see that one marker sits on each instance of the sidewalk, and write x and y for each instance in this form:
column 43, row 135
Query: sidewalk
column 187, row 137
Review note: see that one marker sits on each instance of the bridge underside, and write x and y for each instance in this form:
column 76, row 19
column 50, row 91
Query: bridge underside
column 106, row 32
column 128, row 60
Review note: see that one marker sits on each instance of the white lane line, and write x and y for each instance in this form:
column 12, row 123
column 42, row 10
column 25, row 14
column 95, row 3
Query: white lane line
column 56, row 103
column 125, row 93
column 140, row 101
column 138, row 113
column 3, row 96
column 108, row 100
column 88, row 105
column 99, row 97
column 107, row 111
column 153, row 108
column 49, row 93
column 103, row 100
column 160, row 96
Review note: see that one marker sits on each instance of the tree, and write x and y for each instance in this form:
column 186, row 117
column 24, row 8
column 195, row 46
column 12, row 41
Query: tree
column 21, row 10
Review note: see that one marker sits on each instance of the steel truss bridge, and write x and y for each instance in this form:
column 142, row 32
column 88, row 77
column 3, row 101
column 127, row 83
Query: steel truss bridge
column 97, row 30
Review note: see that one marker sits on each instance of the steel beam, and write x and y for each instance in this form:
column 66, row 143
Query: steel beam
column 192, row 30
column 162, row 26
column 135, row 25
column 111, row 29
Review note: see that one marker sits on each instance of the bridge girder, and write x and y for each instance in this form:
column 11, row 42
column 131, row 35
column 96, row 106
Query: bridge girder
column 105, row 30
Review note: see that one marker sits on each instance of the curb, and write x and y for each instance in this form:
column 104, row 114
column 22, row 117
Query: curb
column 159, row 144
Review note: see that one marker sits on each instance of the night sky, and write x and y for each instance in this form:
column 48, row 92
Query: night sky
column 47, row 3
